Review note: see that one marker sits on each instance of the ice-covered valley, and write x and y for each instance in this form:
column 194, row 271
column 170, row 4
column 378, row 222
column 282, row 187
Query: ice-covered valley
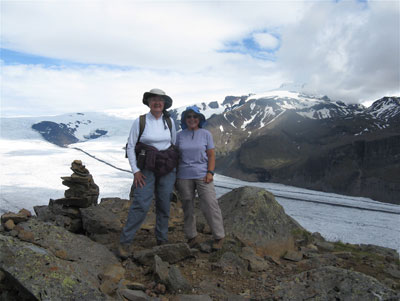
column 31, row 169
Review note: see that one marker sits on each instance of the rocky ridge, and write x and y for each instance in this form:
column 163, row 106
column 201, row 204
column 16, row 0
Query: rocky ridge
column 266, row 256
column 316, row 144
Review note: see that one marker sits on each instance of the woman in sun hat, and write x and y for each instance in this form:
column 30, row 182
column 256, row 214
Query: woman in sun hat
column 195, row 173
column 156, row 173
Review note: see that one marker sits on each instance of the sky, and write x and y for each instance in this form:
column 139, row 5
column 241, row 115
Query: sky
column 74, row 56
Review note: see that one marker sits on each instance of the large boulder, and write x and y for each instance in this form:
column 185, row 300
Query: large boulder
column 44, row 276
column 332, row 283
column 104, row 222
column 55, row 264
column 253, row 215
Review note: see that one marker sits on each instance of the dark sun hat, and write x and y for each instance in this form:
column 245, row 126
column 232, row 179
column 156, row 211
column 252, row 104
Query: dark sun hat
column 159, row 92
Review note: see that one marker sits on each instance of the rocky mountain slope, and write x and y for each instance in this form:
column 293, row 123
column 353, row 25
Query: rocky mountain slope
column 313, row 143
column 266, row 255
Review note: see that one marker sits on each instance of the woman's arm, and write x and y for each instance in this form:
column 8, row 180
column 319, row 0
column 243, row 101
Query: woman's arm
column 210, row 166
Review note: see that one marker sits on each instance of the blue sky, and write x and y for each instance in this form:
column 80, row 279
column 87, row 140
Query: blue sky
column 64, row 56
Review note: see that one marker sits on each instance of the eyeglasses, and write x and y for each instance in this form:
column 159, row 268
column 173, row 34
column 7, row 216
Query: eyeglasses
column 192, row 116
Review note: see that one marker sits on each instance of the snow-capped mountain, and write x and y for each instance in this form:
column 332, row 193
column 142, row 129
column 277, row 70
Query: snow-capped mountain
column 314, row 142
column 278, row 136
column 65, row 129
column 254, row 111
column 246, row 113
column 386, row 109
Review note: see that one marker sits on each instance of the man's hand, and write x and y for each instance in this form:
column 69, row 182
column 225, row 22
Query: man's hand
column 139, row 179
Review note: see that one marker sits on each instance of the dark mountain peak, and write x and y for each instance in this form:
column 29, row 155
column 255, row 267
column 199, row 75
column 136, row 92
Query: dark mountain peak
column 213, row 104
column 58, row 133
column 387, row 108
column 234, row 101
column 386, row 101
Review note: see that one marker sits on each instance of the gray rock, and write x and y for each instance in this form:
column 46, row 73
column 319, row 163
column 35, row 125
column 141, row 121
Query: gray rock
column 170, row 276
column 104, row 222
column 171, row 253
column 256, row 263
column 325, row 246
column 383, row 251
column 58, row 209
column 293, row 255
column 134, row 295
column 43, row 275
column 205, row 247
column 257, row 219
column 71, row 224
column 80, row 202
column 231, row 263
column 176, row 281
column 161, row 269
column 331, row 283
column 394, row 272
column 15, row 217
column 91, row 258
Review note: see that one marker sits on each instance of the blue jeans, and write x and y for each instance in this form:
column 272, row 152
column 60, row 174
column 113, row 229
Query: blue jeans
column 142, row 197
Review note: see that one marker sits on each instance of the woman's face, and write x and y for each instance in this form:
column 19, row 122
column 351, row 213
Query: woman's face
column 192, row 120
column 156, row 104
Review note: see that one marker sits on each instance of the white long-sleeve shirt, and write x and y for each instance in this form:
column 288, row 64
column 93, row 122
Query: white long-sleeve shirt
column 156, row 133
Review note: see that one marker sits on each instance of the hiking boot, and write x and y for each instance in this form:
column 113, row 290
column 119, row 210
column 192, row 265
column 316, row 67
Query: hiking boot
column 194, row 242
column 123, row 251
column 217, row 244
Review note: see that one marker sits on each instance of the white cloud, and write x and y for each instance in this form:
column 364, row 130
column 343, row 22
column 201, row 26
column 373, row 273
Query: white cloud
column 347, row 50
column 266, row 40
column 36, row 90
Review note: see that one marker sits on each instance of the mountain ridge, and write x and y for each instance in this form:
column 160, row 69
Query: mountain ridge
column 280, row 136
column 297, row 140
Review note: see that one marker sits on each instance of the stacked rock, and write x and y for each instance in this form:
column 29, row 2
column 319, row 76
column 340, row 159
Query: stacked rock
column 82, row 192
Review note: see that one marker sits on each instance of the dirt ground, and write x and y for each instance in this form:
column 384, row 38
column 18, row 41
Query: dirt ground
column 205, row 279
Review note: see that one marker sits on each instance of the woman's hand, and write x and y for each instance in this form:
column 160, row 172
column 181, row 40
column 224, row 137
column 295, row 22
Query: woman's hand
column 208, row 178
column 139, row 179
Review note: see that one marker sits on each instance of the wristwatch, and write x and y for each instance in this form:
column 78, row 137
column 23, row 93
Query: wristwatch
column 210, row 171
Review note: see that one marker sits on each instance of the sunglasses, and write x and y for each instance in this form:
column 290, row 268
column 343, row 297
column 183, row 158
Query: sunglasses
column 192, row 116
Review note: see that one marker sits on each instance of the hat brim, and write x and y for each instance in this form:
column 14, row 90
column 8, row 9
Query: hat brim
column 167, row 99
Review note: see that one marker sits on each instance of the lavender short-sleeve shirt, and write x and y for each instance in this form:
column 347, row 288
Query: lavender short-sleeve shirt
column 193, row 160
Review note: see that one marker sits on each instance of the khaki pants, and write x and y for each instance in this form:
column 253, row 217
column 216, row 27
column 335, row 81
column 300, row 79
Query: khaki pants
column 208, row 205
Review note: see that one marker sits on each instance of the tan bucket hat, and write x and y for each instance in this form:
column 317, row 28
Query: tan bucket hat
column 155, row 91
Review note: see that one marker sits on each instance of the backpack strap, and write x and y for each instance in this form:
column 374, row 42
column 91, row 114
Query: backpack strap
column 142, row 124
column 169, row 123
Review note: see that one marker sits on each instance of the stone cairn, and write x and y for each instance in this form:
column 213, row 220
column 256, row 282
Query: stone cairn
column 82, row 192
